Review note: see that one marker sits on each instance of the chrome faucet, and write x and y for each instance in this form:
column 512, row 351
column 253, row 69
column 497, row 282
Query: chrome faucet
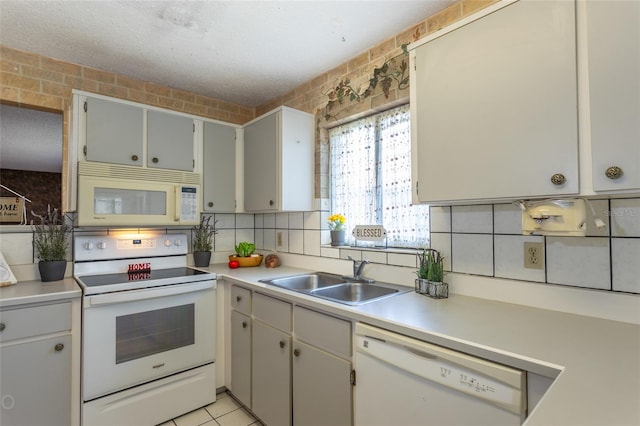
column 358, row 266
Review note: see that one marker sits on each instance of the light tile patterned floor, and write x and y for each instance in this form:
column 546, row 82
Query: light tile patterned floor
column 224, row 412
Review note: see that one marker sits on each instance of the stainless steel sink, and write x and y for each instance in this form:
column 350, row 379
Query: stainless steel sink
column 336, row 288
column 355, row 293
column 307, row 281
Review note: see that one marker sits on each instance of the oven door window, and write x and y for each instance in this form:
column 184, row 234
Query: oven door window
column 151, row 332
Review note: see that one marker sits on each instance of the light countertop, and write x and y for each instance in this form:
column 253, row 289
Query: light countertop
column 595, row 362
column 28, row 292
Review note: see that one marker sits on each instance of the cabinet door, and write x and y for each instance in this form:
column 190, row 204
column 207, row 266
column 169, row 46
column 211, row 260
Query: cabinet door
column 613, row 41
column 219, row 167
column 297, row 161
column 241, row 357
column 169, row 141
column 271, row 375
column 260, row 164
column 114, row 132
column 321, row 388
column 495, row 111
column 36, row 382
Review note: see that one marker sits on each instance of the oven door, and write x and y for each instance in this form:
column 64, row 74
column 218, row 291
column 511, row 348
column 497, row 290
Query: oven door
column 132, row 337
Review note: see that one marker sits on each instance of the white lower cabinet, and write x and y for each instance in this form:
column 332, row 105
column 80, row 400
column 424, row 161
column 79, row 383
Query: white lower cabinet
column 290, row 365
column 35, row 365
column 271, row 381
column 271, row 360
column 241, row 355
column 322, row 389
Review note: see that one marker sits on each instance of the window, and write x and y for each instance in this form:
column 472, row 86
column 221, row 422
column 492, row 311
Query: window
column 370, row 177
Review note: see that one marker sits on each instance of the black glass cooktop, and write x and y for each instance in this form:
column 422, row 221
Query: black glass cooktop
column 156, row 274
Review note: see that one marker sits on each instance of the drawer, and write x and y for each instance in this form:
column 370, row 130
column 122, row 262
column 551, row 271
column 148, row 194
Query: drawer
column 323, row 331
column 34, row 321
column 272, row 311
column 241, row 299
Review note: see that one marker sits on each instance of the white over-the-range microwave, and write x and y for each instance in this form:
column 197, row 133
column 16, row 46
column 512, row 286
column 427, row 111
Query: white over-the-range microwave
column 117, row 195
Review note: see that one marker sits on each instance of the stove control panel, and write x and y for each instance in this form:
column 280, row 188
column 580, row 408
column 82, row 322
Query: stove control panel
column 128, row 246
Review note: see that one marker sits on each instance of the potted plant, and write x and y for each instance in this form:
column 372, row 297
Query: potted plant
column 430, row 274
column 203, row 241
column 50, row 240
column 336, row 226
column 245, row 255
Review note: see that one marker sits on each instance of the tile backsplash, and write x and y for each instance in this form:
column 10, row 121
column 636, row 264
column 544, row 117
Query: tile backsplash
column 487, row 240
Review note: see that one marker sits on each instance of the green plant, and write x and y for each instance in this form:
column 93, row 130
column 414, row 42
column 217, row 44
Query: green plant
column 50, row 236
column 384, row 76
column 203, row 234
column 245, row 249
column 431, row 265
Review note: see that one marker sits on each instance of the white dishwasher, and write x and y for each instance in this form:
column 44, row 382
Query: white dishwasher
column 408, row 382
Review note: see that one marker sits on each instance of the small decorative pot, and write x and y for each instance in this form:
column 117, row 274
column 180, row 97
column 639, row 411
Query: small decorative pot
column 436, row 290
column 201, row 258
column 337, row 238
column 52, row 270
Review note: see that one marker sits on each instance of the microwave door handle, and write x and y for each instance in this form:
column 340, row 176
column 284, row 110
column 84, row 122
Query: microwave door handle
column 178, row 204
column 145, row 294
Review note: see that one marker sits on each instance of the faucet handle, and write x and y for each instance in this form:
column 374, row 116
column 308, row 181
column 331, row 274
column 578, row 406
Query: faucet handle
column 351, row 258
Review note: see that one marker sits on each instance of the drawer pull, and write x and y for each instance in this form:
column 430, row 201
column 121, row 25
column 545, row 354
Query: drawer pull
column 134, row 158
column 282, row 344
column 558, row 179
column 155, row 160
column 296, row 352
column 2, row 326
column 244, row 324
column 613, row 172
column 210, row 204
column 238, row 299
column 58, row 347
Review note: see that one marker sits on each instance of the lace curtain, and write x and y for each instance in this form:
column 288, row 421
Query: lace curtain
column 370, row 177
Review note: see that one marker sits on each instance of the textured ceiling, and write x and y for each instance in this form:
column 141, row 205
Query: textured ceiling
column 245, row 52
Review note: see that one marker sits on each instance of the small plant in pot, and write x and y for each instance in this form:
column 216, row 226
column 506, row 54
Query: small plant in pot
column 50, row 240
column 203, row 241
column 245, row 255
column 430, row 279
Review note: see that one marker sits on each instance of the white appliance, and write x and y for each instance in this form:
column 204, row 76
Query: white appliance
column 148, row 329
column 404, row 381
column 111, row 194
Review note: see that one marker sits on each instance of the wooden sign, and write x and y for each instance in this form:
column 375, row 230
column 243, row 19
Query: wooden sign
column 369, row 233
column 11, row 209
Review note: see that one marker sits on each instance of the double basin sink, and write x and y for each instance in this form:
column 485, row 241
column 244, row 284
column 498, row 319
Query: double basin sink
column 335, row 287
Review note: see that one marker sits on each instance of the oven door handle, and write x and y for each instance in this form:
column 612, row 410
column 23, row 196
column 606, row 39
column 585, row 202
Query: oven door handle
column 148, row 293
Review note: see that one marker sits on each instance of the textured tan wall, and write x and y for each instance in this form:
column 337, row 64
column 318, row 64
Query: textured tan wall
column 312, row 95
column 36, row 81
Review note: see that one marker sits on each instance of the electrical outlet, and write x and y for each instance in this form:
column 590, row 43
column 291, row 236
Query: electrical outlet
column 534, row 255
column 279, row 238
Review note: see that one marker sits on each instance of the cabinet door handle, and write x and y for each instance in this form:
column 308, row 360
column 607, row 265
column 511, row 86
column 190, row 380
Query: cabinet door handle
column 558, row 179
column 296, row 352
column 613, row 172
column 59, row 347
column 282, row 344
column 210, row 204
column 238, row 299
column 154, row 160
column 134, row 158
column 2, row 326
column 244, row 324
column 270, row 202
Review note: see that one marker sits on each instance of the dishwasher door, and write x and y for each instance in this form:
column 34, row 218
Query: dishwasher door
column 404, row 381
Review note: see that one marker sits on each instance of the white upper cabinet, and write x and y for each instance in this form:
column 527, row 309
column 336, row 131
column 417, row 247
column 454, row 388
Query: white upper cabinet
column 219, row 167
column 114, row 132
column 494, row 106
column 613, row 43
column 279, row 162
column 170, row 141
